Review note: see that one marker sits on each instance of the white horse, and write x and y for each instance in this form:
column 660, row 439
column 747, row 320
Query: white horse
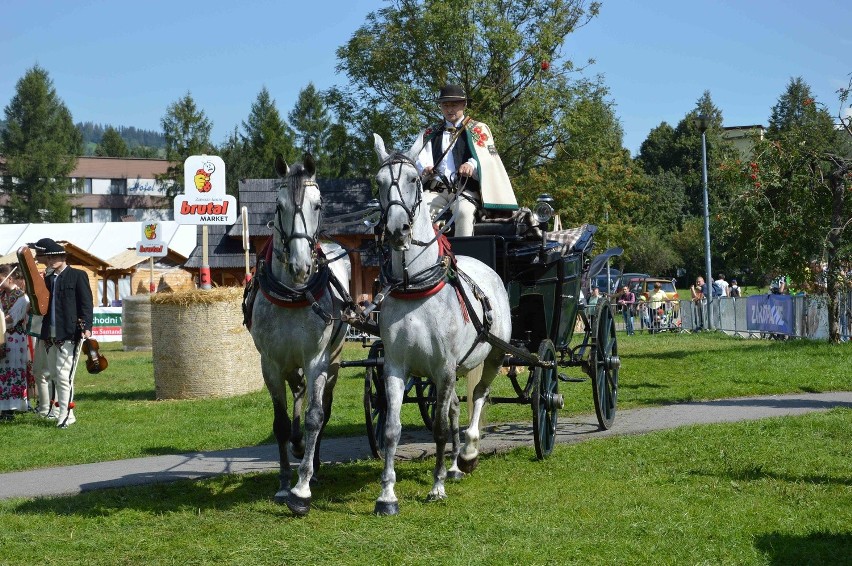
column 425, row 327
column 292, row 324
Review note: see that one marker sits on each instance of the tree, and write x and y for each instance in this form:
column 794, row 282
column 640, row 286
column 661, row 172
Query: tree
column 187, row 132
column 311, row 122
column 507, row 56
column 112, row 144
column 41, row 146
column 266, row 135
column 792, row 212
column 592, row 178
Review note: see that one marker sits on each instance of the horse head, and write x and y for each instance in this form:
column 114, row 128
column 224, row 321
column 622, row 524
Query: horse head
column 298, row 217
column 400, row 193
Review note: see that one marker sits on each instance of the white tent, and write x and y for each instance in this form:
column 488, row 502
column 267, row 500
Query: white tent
column 101, row 239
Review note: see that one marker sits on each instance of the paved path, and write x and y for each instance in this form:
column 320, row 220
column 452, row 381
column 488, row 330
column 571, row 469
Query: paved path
column 71, row 480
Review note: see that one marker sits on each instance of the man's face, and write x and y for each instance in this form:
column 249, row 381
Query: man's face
column 50, row 261
column 453, row 110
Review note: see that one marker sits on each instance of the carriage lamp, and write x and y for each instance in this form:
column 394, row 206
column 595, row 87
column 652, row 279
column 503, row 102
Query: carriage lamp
column 543, row 211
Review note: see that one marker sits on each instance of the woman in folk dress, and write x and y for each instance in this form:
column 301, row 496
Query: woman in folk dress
column 14, row 365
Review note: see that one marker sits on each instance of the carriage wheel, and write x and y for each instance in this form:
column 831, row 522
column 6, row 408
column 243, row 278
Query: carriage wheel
column 375, row 401
column 427, row 400
column 605, row 365
column 546, row 401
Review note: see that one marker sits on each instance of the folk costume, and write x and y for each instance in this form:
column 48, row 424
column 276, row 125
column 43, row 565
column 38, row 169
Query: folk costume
column 14, row 364
column 69, row 314
column 446, row 146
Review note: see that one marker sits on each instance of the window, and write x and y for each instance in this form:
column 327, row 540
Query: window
column 118, row 186
column 82, row 215
column 117, row 213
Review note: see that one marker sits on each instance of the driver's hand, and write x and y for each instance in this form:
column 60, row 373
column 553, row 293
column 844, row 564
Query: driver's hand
column 466, row 170
column 427, row 171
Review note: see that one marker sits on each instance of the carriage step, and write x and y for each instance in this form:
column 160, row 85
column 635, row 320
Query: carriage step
column 565, row 378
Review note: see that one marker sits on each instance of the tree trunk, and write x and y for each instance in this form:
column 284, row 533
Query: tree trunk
column 838, row 188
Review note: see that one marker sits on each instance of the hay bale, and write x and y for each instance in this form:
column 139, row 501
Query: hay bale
column 136, row 323
column 200, row 347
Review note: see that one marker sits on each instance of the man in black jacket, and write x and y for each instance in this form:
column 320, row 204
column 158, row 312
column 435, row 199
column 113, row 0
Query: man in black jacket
column 68, row 319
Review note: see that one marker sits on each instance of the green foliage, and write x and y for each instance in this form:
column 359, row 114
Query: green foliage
column 311, row 122
column 651, row 251
column 141, row 143
column 782, row 213
column 112, row 144
column 187, row 132
column 494, row 49
column 40, row 145
column 251, row 154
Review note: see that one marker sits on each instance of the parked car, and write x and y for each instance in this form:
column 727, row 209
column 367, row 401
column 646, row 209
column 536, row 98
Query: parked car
column 626, row 278
column 600, row 280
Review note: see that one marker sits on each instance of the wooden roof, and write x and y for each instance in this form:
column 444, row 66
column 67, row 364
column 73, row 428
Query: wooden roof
column 340, row 196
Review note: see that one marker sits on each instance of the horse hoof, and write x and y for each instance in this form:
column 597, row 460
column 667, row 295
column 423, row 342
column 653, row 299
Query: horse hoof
column 299, row 506
column 384, row 508
column 467, row 466
column 298, row 452
column 455, row 475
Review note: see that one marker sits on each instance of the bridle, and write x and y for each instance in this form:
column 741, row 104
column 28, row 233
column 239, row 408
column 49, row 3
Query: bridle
column 400, row 159
column 297, row 193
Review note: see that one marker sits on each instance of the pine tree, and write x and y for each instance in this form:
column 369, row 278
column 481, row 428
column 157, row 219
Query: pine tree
column 112, row 144
column 41, row 146
column 187, row 131
column 266, row 135
column 311, row 122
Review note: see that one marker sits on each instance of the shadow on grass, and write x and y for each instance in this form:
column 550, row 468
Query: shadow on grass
column 814, row 548
column 136, row 395
column 336, row 484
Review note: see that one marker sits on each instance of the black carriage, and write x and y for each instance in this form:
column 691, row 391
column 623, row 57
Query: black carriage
column 545, row 275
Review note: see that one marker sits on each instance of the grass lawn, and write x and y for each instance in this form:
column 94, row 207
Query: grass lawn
column 119, row 417
column 775, row 491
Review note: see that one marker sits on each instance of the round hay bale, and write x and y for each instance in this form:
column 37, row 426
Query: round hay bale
column 136, row 323
column 200, row 347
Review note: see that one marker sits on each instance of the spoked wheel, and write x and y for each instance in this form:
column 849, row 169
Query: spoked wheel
column 546, row 401
column 375, row 401
column 605, row 365
column 426, row 400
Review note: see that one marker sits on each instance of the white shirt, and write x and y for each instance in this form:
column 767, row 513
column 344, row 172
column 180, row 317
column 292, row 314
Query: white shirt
column 447, row 167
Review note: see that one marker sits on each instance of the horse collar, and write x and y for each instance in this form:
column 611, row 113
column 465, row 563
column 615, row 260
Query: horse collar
column 280, row 294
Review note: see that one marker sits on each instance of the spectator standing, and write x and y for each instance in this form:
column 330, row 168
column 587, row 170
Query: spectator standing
column 627, row 302
column 699, row 299
column 720, row 286
column 593, row 300
column 657, row 301
column 734, row 290
column 68, row 318
column 14, row 364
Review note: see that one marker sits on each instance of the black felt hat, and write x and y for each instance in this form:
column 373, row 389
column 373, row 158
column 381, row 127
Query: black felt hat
column 47, row 246
column 451, row 93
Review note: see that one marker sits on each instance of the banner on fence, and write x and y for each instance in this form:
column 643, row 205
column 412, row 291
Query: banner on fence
column 770, row 313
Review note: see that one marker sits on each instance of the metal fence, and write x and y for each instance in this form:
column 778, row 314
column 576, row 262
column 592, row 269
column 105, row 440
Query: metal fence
column 729, row 315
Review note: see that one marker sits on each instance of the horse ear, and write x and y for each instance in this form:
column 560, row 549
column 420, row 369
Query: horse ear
column 415, row 148
column 281, row 166
column 379, row 145
column 310, row 164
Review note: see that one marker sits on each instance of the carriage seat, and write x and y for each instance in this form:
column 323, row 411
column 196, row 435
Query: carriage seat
column 519, row 225
column 574, row 240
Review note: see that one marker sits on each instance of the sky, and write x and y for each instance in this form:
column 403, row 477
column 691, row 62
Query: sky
column 122, row 64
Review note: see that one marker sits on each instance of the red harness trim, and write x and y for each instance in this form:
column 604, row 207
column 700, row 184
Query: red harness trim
column 444, row 249
column 420, row 294
column 267, row 253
